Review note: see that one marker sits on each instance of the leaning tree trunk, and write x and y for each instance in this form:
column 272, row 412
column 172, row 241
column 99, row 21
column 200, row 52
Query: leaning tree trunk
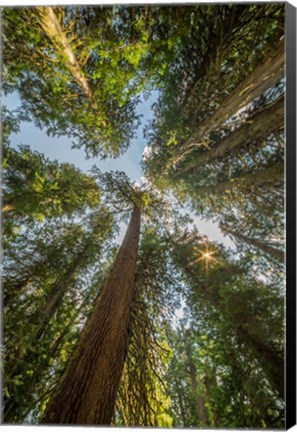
column 272, row 175
column 39, row 371
column 271, row 361
column 275, row 253
column 265, row 75
column 51, row 26
column 87, row 392
column 258, row 125
column 41, row 320
column 42, row 317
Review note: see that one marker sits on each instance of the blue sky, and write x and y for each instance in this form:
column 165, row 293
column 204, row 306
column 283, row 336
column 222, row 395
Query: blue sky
column 60, row 149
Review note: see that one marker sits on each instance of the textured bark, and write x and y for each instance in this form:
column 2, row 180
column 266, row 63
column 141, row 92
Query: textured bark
column 87, row 392
column 255, row 127
column 268, row 176
column 54, row 31
column 268, row 72
column 275, row 253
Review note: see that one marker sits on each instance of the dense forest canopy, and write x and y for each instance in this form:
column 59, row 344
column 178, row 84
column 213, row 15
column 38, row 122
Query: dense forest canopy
column 168, row 329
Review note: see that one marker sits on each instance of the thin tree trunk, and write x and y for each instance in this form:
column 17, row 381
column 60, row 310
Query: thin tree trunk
column 12, row 405
column 55, row 297
column 271, row 362
column 219, row 39
column 43, row 316
column 271, row 175
column 87, row 392
column 179, row 393
column 255, row 127
column 201, row 410
column 275, row 253
column 265, row 75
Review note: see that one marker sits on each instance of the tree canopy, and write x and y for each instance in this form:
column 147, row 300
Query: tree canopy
column 167, row 328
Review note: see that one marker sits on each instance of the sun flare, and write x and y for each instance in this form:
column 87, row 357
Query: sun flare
column 206, row 255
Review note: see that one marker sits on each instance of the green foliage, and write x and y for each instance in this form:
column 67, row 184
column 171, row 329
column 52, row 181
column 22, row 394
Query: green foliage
column 51, row 280
column 117, row 51
column 229, row 312
column 142, row 398
column 224, row 188
column 121, row 195
column 206, row 335
column 37, row 187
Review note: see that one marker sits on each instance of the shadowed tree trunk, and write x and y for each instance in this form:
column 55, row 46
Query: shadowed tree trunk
column 56, row 296
column 256, row 126
column 87, row 392
column 219, row 37
column 180, row 395
column 275, row 253
column 268, row 176
column 268, row 72
column 201, row 410
column 41, row 319
column 12, row 406
column 271, row 361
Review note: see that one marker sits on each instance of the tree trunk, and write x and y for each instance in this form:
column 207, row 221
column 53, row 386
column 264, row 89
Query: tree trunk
column 87, row 392
column 270, row 360
column 180, row 396
column 220, row 38
column 14, row 411
column 268, row 176
column 258, row 125
column 275, row 253
column 42, row 317
column 57, row 35
column 265, row 75
column 55, row 297
column 201, row 410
